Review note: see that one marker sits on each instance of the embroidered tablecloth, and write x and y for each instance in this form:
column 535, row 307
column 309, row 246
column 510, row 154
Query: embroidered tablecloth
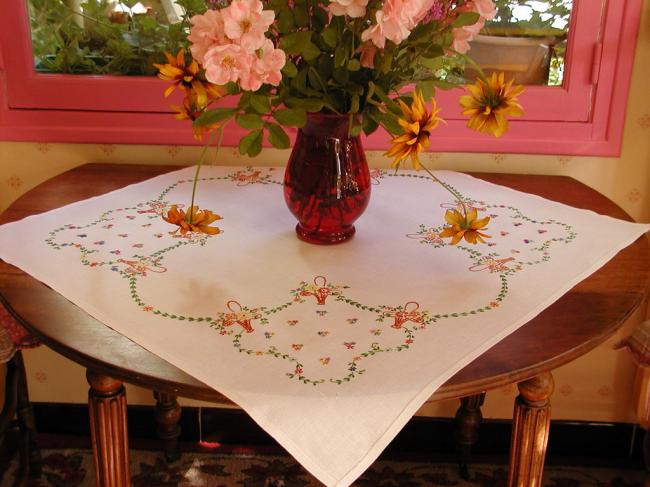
column 330, row 349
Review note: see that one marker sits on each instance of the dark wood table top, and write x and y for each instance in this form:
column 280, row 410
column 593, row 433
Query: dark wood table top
column 579, row 321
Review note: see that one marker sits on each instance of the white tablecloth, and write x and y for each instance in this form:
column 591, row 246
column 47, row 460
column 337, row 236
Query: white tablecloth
column 330, row 349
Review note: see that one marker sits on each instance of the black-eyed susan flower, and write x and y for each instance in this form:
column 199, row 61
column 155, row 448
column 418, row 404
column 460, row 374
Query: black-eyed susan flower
column 195, row 220
column 417, row 124
column 191, row 110
column 465, row 225
column 490, row 103
column 187, row 78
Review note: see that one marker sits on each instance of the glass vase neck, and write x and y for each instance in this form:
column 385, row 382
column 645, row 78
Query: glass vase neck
column 330, row 124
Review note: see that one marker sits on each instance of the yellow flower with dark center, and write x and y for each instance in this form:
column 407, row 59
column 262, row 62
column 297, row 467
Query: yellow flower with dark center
column 489, row 103
column 187, row 78
column 197, row 221
column 464, row 225
column 417, row 124
column 191, row 110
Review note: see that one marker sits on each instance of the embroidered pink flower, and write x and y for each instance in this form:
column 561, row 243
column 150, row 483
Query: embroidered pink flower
column 351, row 8
column 226, row 63
column 207, row 32
column 246, row 22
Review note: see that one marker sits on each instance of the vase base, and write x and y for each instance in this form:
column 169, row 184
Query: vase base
column 324, row 238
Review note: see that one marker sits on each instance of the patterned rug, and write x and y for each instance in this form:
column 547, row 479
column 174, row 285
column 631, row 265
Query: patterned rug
column 74, row 468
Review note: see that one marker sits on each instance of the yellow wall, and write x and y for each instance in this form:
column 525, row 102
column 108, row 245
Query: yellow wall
column 597, row 387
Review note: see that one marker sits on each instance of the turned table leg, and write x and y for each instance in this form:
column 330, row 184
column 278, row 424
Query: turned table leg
column 26, row 423
column 168, row 413
column 468, row 419
column 531, row 422
column 107, row 406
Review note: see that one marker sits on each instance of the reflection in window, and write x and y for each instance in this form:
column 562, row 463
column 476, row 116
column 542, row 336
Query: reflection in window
column 106, row 36
column 527, row 39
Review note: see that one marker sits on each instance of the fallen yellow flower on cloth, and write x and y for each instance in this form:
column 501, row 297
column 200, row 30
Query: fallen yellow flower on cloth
column 464, row 225
column 195, row 220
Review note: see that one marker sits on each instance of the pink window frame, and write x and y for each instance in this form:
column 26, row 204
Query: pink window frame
column 583, row 117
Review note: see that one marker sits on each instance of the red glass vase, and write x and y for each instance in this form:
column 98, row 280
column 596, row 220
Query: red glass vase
column 327, row 182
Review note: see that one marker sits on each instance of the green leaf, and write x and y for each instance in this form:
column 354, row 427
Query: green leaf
column 390, row 104
column 354, row 108
column 427, row 88
column 329, row 36
column 320, row 18
column 341, row 75
column 306, row 104
column 369, row 124
column 310, row 51
column 433, row 51
column 260, row 103
column 290, row 117
column 340, row 56
column 251, row 144
column 250, row 121
column 389, row 122
column 431, row 64
column 277, row 137
column 289, row 70
column 354, row 65
column 355, row 130
column 466, row 18
column 300, row 15
column 285, row 21
column 214, row 116
column 295, row 42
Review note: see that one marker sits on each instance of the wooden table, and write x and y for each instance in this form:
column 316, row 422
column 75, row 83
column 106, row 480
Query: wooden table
column 595, row 308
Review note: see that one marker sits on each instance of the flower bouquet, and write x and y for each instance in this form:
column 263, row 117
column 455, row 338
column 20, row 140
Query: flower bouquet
column 333, row 70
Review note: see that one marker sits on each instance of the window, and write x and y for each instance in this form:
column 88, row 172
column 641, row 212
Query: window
column 584, row 115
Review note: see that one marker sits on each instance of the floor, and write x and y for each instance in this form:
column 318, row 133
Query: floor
column 241, row 467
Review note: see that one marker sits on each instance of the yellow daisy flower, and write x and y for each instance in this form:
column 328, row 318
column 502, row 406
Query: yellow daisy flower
column 464, row 225
column 187, row 78
column 417, row 124
column 191, row 110
column 489, row 103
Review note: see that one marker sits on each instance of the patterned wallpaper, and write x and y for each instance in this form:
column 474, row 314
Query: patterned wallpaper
column 597, row 387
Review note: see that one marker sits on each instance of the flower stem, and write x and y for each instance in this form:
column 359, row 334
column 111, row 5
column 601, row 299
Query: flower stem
column 196, row 175
column 473, row 63
column 454, row 193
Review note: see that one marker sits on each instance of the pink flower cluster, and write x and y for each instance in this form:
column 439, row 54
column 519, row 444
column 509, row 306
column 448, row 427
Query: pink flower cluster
column 395, row 21
column 463, row 35
column 351, row 8
column 232, row 47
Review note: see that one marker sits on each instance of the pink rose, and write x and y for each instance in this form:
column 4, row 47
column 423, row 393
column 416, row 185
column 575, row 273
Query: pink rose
column 395, row 21
column 368, row 51
column 463, row 35
column 246, row 22
column 226, row 63
column 351, row 8
column 485, row 8
column 266, row 66
column 207, row 32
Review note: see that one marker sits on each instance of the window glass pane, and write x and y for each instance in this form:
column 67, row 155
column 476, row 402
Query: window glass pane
column 105, row 36
column 527, row 39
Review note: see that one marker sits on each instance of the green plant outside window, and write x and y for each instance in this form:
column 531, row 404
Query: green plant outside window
column 126, row 37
